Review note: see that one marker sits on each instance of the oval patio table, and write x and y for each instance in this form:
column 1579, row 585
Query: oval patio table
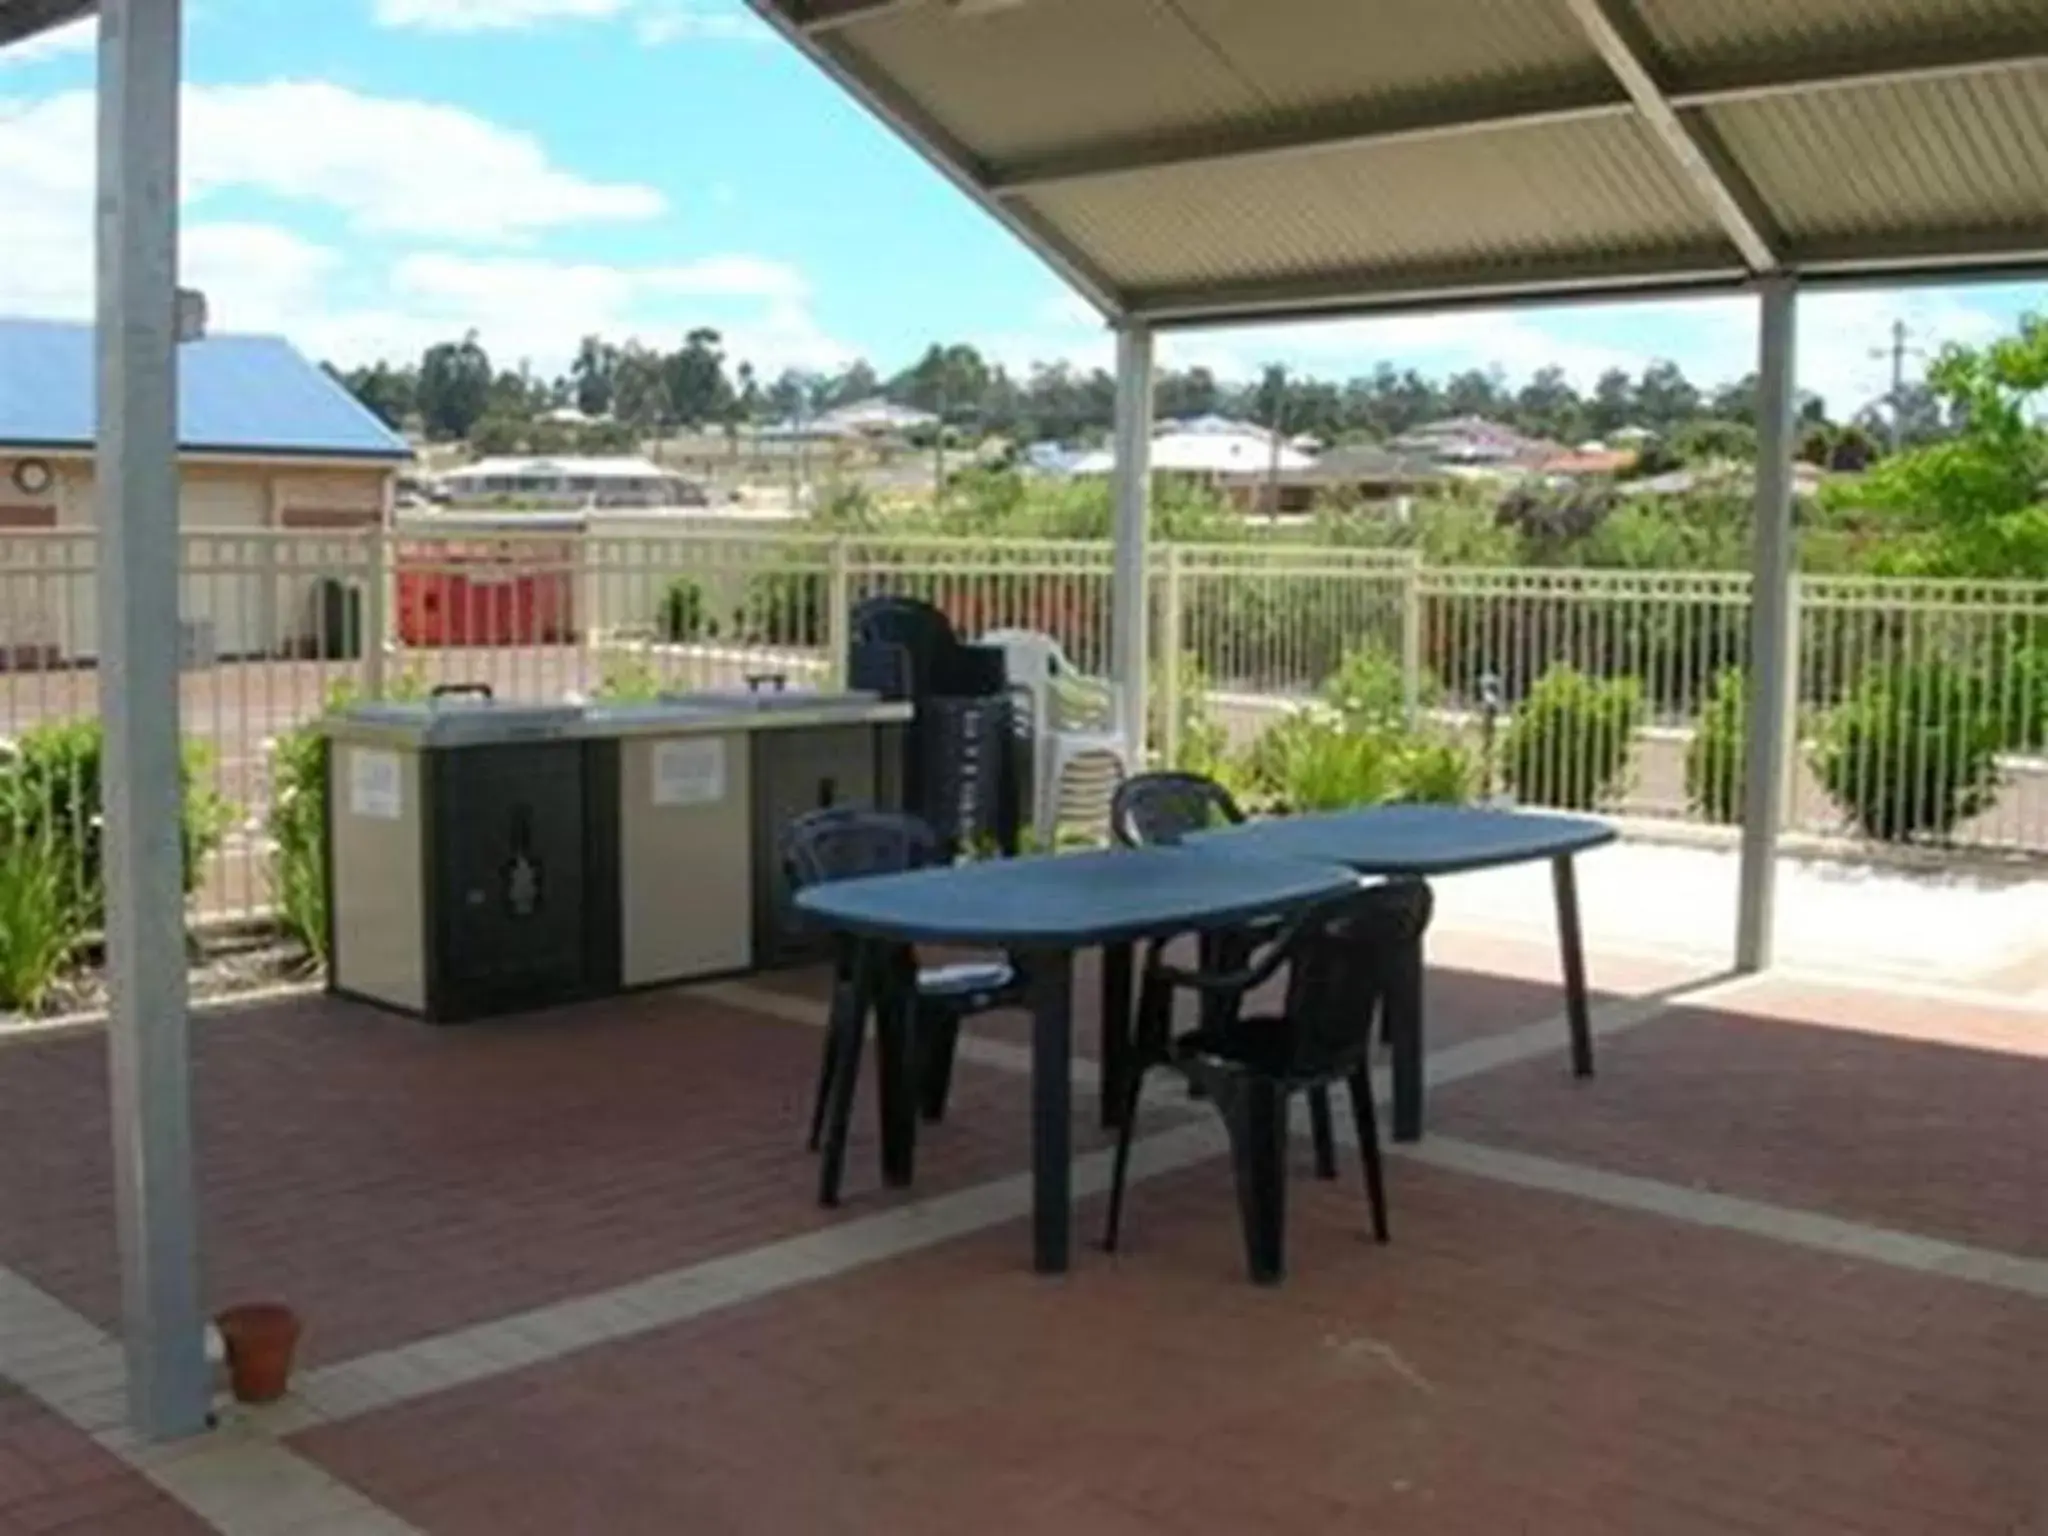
column 1044, row 909
column 1421, row 842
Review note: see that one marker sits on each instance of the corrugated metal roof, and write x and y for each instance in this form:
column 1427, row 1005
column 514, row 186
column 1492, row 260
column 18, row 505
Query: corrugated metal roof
column 1599, row 189
column 1191, row 159
column 236, row 394
column 1959, row 158
column 24, row 18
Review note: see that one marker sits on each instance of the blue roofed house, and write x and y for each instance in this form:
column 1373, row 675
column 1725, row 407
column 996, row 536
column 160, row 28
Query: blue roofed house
column 268, row 441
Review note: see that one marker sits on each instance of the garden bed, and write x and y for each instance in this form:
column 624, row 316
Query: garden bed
column 223, row 964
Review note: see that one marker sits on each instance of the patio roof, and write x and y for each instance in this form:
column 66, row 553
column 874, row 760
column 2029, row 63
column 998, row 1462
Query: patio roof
column 25, row 18
column 1213, row 160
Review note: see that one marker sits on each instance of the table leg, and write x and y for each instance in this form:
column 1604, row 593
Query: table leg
column 1402, row 1002
column 1052, row 1007
column 1572, row 943
column 1118, row 964
column 850, row 1001
column 895, row 995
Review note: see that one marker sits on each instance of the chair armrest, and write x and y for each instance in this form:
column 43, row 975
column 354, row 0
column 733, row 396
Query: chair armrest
column 1260, row 971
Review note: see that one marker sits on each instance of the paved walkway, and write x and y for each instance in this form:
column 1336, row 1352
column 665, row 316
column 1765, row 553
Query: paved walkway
column 1783, row 1267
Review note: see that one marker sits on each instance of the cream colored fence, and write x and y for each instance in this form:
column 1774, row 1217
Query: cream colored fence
column 1923, row 706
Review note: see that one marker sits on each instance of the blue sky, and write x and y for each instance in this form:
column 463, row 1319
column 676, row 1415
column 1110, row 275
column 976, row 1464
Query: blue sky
column 371, row 175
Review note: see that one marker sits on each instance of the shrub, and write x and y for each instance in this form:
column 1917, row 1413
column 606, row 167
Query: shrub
column 1714, row 762
column 1568, row 743
column 41, row 922
column 684, row 614
column 297, row 822
column 1914, row 752
column 1204, row 742
column 786, row 607
column 1367, row 689
column 50, row 794
column 1315, row 760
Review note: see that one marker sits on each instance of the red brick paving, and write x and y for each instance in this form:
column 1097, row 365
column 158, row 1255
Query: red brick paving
column 1906, row 1113
column 1512, row 1363
column 392, row 1180
column 53, row 1479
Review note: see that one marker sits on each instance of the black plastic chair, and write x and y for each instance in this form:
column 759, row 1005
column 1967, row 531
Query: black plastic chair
column 842, row 843
column 1158, row 809
column 1252, row 1066
column 1161, row 808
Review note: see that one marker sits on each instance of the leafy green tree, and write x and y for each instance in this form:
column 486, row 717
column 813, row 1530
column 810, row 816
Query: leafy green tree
column 698, row 390
column 454, row 387
column 1979, row 498
column 594, row 375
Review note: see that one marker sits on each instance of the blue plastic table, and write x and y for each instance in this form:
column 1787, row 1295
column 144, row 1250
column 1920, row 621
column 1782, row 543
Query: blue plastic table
column 1044, row 909
column 1419, row 842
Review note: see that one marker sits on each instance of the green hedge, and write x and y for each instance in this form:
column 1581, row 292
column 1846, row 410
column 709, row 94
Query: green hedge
column 51, row 795
column 1913, row 754
column 1568, row 743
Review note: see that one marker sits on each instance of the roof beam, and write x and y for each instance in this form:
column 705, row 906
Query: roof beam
column 1381, row 125
column 945, row 154
column 1693, row 147
column 829, row 15
column 1566, row 280
column 1929, row 62
column 25, row 18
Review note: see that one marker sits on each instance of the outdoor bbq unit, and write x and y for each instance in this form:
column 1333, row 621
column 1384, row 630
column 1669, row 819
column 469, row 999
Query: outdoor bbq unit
column 487, row 858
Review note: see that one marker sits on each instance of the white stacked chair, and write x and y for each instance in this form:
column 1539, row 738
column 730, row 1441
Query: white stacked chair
column 1078, row 757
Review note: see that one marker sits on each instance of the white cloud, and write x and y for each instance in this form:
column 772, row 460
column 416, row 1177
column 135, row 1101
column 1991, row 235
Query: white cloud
column 387, row 167
column 489, row 15
column 537, row 309
column 655, row 21
column 59, row 42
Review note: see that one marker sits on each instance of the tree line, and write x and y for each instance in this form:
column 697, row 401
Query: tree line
column 456, row 392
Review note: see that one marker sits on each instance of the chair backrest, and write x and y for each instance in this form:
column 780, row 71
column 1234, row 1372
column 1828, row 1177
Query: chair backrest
column 905, row 647
column 1335, row 976
column 1061, row 696
column 844, row 842
column 1158, row 809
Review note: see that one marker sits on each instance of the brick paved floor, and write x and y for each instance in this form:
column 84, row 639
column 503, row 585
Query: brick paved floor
column 396, row 1181
column 54, row 1479
column 1515, row 1361
column 1912, row 1115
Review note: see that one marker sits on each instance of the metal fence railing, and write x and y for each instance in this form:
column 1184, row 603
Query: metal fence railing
column 1922, row 706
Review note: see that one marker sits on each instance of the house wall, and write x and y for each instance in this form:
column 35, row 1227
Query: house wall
column 240, row 595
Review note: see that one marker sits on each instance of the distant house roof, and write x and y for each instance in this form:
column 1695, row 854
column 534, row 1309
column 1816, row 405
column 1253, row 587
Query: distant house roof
column 1207, row 451
column 1371, row 462
column 254, row 395
column 605, row 468
column 1583, row 462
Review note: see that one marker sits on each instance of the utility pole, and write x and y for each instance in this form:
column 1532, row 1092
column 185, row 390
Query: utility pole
column 1276, row 428
column 1897, row 353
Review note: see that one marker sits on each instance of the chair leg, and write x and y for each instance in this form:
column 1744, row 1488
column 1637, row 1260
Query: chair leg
column 1367, row 1122
column 1256, row 1115
column 1126, row 1133
column 842, row 1002
column 849, row 1023
column 1323, row 1130
column 827, row 1061
column 938, row 1041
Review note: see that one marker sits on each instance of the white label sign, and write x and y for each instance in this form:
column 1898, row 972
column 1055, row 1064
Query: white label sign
column 690, row 771
column 375, row 789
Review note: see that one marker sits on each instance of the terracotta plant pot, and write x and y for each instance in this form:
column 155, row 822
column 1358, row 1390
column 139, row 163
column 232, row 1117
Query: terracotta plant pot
column 259, row 1339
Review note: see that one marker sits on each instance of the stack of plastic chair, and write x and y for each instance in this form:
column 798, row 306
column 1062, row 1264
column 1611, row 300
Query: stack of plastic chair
column 1077, row 755
column 958, row 769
